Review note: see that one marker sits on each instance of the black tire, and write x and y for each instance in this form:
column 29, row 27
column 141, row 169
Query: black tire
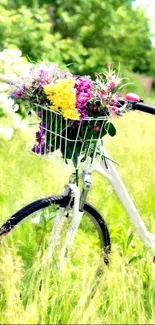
column 35, row 207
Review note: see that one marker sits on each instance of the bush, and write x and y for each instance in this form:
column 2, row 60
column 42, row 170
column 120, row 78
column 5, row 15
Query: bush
column 30, row 31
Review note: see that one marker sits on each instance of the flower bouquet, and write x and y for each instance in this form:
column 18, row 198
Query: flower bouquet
column 73, row 112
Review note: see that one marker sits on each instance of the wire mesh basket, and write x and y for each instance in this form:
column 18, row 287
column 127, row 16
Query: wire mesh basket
column 65, row 141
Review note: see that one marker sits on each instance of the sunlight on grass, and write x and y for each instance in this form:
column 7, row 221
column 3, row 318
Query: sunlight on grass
column 125, row 291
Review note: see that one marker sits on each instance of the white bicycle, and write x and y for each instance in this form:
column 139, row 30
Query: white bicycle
column 69, row 217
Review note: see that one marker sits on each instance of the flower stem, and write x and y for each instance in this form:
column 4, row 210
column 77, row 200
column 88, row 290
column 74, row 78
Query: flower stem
column 77, row 177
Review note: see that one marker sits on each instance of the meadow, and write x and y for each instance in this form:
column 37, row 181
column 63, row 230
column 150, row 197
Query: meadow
column 125, row 292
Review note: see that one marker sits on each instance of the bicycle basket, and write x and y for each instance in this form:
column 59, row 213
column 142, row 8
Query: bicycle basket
column 63, row 140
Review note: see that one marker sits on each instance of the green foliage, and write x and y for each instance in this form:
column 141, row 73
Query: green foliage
column 37, row 3
column 30, row 31
column 131, row 40
column 107, row 31
column 86, row 33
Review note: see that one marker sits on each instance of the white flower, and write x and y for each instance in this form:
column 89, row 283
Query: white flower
column 16, row 119
column 6, row 103
column 6, row 132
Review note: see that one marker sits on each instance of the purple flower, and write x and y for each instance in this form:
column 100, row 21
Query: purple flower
column 39, row 137
column 43, row 77
column 39, row 113
column 84, row 92
column 42, row 128
column 93, row 107
column 20, row 92
column 39, row 147
column 97, row 128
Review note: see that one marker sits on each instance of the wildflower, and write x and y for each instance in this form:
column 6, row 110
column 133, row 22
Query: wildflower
column 84, row 92
column 93, row 107
column 72, row 97
column 113, row 109
column 117, row 96
column 111, row 81
column 112, row 84
column 104, row 96
column 43, row 128
column 39, row 114
column 43, row 74
column 39, row 137
column 39, row 147
column 97, row 127
column 18, row 91
column 62, row 96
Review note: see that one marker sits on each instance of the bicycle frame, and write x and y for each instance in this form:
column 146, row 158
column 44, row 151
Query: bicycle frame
column 107, row 169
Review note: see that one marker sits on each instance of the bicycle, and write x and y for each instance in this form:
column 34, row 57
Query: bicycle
column 71, row 207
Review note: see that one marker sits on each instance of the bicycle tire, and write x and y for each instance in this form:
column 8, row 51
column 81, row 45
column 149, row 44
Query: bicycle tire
column 62, row 201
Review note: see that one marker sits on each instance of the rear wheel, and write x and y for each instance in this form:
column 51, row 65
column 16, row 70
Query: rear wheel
column 92, row 239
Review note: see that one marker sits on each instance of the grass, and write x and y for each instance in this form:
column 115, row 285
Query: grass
column 125, row 292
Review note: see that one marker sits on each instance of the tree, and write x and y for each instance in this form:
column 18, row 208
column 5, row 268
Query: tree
column 30, row 31
column 86, row 33
column 106, row 31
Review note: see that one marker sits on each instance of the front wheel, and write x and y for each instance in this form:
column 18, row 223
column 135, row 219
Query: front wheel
column 92, row 240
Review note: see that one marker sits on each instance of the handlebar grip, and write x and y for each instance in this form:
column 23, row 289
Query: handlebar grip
column 144, row 108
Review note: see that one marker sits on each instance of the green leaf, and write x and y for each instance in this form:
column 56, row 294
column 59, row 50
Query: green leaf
column 129, row 240
column 134, row 259
column 1, row 114
column 110, row 129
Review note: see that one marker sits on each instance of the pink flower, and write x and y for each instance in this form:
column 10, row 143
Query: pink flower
column 111, row 81
column 112, row 85
column 103, row 96
column 118, row 96
column 113, row 109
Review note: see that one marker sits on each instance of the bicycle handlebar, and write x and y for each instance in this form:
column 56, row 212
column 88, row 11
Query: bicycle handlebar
column 139, row 106
column 143, row 107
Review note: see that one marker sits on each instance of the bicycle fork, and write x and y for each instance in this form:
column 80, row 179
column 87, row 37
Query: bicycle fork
column 78, row 202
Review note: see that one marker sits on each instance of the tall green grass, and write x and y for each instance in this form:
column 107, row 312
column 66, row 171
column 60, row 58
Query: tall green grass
column 125, row 292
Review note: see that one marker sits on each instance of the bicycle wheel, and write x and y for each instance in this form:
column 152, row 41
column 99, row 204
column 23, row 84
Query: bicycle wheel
column 91, row 241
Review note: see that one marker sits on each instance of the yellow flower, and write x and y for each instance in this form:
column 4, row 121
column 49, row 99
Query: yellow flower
column 62, row 96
